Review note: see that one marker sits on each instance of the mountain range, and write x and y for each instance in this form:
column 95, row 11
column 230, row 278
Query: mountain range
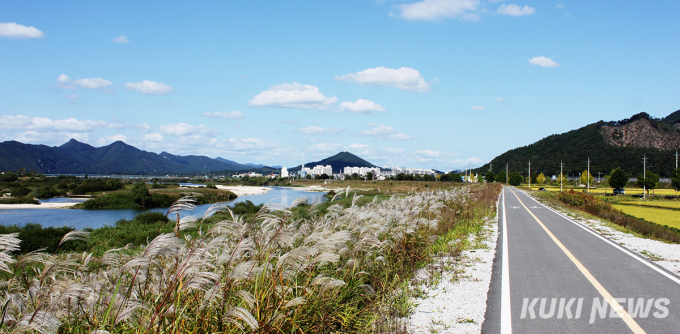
column 75, row 157
column 607, row 144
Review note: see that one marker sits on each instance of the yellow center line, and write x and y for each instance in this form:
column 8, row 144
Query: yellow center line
column 605, row 294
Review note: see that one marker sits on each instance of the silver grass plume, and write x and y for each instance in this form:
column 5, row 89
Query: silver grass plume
column 75, row 235
column 8, row 243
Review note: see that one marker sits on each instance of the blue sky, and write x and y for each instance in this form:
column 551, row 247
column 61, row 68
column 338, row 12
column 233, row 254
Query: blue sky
column 436, row 83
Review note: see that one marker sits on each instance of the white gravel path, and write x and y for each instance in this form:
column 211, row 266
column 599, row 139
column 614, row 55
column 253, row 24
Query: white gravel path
column 664, row 254
column 458, row 305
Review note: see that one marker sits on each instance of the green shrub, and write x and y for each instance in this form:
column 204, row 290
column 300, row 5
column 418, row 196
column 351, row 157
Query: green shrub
column 147, row 218
column 23, row 191
column 242, row 208
column 45, row 192
column 34, row 237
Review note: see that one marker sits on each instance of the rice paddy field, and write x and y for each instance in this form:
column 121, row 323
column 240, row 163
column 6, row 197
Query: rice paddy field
column 653, row 214
column 337, row 267
column 654, row 204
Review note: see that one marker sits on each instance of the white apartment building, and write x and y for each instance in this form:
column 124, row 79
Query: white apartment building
column 408, row 171
column 284, row 172
column 361, row 170
column 319, row 169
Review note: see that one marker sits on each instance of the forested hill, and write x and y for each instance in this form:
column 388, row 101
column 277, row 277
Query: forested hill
column 338, row 162
column 75, row 157
column 607, row 144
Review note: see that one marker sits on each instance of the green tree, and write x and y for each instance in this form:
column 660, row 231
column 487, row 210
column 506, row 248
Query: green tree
column 675, row 180
column 585, row 177
column 515, row 179
column 648, row 181
column 540, row 179
column 369, row 176
column 140, row 194
column 618, row 179
column 490, row 176
column 500, row 177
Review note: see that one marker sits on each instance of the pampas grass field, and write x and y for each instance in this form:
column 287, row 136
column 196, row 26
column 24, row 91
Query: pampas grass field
column 333, row 269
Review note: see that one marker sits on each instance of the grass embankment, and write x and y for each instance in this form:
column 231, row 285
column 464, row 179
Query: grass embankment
column 602, row 209
column 19, row 200
column 322, row 268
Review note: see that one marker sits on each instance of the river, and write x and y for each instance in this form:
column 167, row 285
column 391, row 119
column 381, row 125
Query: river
column 80, row 219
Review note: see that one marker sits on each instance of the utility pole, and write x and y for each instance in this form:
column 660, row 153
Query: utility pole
column 561, row 174
column 676, row 159
column 491, row 165
column 529, row 174
column 506, row 173
column 588, row 176
column 644, row 176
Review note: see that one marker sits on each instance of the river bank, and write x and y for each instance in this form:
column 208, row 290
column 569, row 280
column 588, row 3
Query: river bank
column 65, row 204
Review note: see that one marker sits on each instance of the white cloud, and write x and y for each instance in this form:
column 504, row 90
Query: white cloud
column 431, row 10
column 358, row 146
column 63, row 78
column 384, row 131
column 110, row 139
column 478, row 108
column 370, row 124
column 404, row 78
column 469, row 161
column 500, row 100
column 324, row 148
column 72, row 96
column 52, row 138
column 362, row 106
column 293, row 95
column 227, row 114
column 21, row 122
column 153, row 137
column 121, row 40
column 92, row 83
column 149, row 87
column 144, row 127
column 515, row 10
column 317, row 130
column 560, row 6
column 184, row 129
column 427, row 153
column 543, row 62
column 14, row 30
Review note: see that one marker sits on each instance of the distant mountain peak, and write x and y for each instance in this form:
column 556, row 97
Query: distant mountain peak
column 338, row 161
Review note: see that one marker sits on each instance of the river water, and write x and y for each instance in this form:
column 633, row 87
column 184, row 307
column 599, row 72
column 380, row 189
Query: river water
column 80, row 219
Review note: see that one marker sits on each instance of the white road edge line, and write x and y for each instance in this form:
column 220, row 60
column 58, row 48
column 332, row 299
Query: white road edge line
column 619, row 247
column 506, row 316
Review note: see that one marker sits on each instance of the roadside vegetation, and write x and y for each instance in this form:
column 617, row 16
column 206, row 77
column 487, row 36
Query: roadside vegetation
column 326, row 267
column 601, row 208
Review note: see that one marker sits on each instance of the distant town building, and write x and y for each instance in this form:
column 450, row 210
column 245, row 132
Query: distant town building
column 284, row 172
column 302, row 173
column 362, row 171
column 319, row 170
column 408, row 171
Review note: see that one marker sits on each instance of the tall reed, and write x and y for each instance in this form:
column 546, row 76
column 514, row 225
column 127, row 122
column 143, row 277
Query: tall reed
column 270, row 273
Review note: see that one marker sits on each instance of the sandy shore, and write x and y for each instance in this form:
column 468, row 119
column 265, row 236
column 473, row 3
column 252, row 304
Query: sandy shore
column 38, row 206
column 245, row 190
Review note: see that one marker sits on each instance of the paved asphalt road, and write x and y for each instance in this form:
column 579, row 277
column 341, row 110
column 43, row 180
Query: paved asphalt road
column 553, row 275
